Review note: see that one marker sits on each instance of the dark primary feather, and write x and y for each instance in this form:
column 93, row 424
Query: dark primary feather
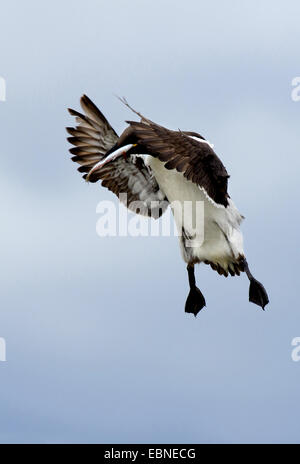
column 92, row 138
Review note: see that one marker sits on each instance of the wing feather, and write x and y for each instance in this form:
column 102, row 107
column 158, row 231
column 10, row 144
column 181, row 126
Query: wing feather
column 194, row 158
column 92, row 137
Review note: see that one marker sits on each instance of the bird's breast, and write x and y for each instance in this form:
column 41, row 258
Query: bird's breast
column 215, row 228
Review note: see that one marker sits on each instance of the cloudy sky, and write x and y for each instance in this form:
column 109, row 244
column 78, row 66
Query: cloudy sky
column 99, row 348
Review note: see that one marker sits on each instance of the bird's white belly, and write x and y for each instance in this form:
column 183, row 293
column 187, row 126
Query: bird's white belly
column 215, row 235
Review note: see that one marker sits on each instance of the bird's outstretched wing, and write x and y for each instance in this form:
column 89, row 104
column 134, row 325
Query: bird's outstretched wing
column 195, row 159
column 92, row 137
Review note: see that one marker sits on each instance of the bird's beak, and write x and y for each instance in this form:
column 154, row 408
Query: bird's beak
column 111, row 157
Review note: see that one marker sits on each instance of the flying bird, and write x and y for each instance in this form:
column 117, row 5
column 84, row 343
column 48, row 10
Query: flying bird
column 159, row 167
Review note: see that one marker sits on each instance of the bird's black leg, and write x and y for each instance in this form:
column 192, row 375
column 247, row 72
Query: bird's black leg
column 257, row 292
column 195, row 300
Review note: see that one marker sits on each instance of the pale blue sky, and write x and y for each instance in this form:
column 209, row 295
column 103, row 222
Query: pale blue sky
column 99, row 348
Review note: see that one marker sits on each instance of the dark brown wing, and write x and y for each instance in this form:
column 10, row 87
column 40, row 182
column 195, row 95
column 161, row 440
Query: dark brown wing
column 195, row 159
column 92, row 137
